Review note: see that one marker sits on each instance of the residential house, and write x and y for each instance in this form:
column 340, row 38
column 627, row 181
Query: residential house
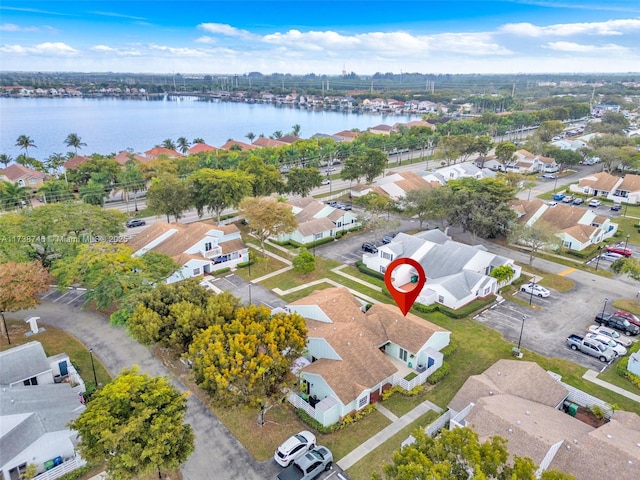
column 381, row 130
column 527, row 162
column 353, row 354
column 125, row 156
column 600, row 184
column 200, row 248
column 36, row 405
column 289, row 139
column 234, row 144
column 396, row 185
column 158, row 152
column 523, row 404
column 576, row 227
column 23, row 176
column 268, row 142
column 75, row 162
column 457, row 274
column 346, row 135
column 627, row 191
column 457, row 171
column 415, row 123
column 200, row 148
column 317, row 220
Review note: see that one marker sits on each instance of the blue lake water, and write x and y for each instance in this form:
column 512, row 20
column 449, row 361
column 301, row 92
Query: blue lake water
column 110, row 125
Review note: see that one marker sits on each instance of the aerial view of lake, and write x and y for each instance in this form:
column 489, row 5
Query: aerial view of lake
column 110, row 125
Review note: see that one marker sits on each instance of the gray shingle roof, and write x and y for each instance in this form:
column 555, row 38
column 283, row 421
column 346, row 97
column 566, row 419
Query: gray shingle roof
column 22, row 362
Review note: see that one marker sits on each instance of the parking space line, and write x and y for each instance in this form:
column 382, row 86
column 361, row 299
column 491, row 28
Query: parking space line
column 63, row 295
column 567, row 272
column 75, row 298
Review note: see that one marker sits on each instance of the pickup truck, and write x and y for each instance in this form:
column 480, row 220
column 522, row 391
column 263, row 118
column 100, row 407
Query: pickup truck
column 618, row 322
column 591, row 347
column 308, row 466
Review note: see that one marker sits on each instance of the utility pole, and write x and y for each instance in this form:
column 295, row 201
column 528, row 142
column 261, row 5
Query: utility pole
column 513, row 90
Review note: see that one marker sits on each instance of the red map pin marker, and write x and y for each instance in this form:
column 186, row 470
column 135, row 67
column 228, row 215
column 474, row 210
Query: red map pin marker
column 409, row 291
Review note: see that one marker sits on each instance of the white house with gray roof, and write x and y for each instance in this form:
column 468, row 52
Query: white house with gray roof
column 35, row 408
column 456, row 273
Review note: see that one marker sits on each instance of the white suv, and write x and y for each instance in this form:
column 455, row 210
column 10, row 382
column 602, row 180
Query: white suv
column 295, row 446
column 594, row 203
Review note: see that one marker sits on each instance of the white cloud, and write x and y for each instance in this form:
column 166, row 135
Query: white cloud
column 227, row 30
column 185, row 52
column 206, row 39
column 54, row 49
column 610, row 27
column 103, row 48
column 12, row 27
column 579, row 48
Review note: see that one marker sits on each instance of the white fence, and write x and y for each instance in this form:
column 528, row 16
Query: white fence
column 300, row 403
column 585, row 400
column 419, row 379
column 62, row 469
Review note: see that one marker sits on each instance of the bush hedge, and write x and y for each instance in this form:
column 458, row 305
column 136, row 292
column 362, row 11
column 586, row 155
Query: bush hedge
column 439, row 374
column 366, row 270
column 621, row 367
column 418, row 389
column 322, row 241
column 346, row 420
column 450, row 349
column 465, row 311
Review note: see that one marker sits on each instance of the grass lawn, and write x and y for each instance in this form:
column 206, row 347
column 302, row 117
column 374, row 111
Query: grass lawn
column 354, row 272
column 375, row 459
column 305, row 292
column 54, row 341
column 550, row 280
column 290, row 279
column 260, row 266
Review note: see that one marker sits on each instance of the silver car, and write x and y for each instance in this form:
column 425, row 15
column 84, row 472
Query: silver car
column 611, row 333
column 609, row 342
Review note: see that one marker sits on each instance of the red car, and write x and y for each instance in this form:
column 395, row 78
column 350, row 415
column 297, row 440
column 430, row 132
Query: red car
column 619, row 250
column 629, row 316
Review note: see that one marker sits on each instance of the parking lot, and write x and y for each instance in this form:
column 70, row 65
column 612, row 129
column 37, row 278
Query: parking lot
column 549, row 321
column 74, row 297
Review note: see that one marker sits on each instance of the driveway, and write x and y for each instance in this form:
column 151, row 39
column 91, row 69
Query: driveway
column 217, row 454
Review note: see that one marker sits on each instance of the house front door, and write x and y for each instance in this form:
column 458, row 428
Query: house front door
column 63, row 368
column 403, row 355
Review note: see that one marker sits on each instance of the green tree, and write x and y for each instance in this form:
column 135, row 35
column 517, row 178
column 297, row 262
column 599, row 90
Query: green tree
column 93, row 193
column 99, row 168
column 504, row 153
column 458, row 454
column 131, row 180
column 168, row 195
column 25, row 142
column 268, row 217
column 449, row 149
column 539, row 237
column 375, row 206
column 426, row 203
column 627, row 266
column 300, row 181
column 478, row 213
column 168, row 143
column 56, row 191
column 482, row 145
column 367, row 164
column 12, row 195
column 304, row 262
column 5, row 159
column 110, row 271
column 136, row 426
column 503, row 274
column 218, row 190
column 183, row 145
column 20, row 284
column 73, row 140
column 248, row 360
column 54, row 162
column 295, row 130
column 549, row 129
column 265, row 178
column 250, row 136
column 198, row 140
column 172, row 314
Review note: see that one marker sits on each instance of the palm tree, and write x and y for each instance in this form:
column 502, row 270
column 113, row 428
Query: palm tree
column 183, row 145
column 198, row 140
column 55, row 191
column 5, row 159
column 250, row 136
column 54, row 162
column 93, row 193
column 168, row 143
column 12, row 195
column 277, row 134
column 295, row 130
column 25, row 142
column 73, row 140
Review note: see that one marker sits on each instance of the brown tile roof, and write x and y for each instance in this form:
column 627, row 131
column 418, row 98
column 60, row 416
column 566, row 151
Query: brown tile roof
column 630, row 183
column 522, row 379
column 75, row 162
column 582, row 233
column 301, row 202
column 201, row 147
column 231, row 246
column 357, row 337
column 413, row 181
column 346, row 134
column 15, row 172
column 418, row 123
column 563, row 216
column 242, row 145
column 268, row 142
column 381, row 128
column 124, row 156
column 309, row 212
column 161, row 151
column 315, row 225
column 529, row 208
column 599, row 181
column 289, row 139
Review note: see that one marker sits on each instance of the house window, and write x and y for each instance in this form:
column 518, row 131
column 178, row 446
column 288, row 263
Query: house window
column 621, row 193
column 31, row 381
column 362, row 402
column 487, row 291
column 196, row 271
column 317, row 236
column 339, row 223
column 440, row 299
column 387, row 256
column 403, row 355
column 207, row 247
column 383, row 269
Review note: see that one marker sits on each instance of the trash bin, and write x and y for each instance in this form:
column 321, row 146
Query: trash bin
column 414, row 278
column 573, row 409
column 48, row 465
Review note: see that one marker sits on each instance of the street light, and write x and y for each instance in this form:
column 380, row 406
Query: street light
column 533, row 286
column 626, row 242
column 598, row 260
column 521, row 329
column 6, row 330
column 605, row 307
column 93, row 366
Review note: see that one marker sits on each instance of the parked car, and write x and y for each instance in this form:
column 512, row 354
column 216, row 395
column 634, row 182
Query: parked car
column 612, row 334
column 610, row 256
column 333, row 204
column 552, row 204
column 345, row 206
column 591, row 347
column 548, row 176
column 309, row 465
column 326, row 181
column 559, row 196
column 135, row 222
column 619, row 250
column 578, row 201
column 387, row 239
column 293, row 447
column 567, row 199
column 594, row 202
column 619, row 350
column 616, row 207
column 619, row 323
column 629, row 316
column 537, row 290
column 369, row 247
column 331, row 169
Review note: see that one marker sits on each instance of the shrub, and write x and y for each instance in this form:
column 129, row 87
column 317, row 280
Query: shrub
column 439, row 374
column 418, row 389
column 450, row 349
column 304, row 262
column 346, row 420
column 77, row 473
column 221, row 271
column 364, row 269
column 322, row 241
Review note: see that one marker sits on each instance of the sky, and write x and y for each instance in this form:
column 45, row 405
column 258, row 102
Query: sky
column 328, row 37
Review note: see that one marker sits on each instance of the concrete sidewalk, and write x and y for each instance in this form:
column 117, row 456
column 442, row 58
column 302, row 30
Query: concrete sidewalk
column 592, row 376
column 386, row 433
